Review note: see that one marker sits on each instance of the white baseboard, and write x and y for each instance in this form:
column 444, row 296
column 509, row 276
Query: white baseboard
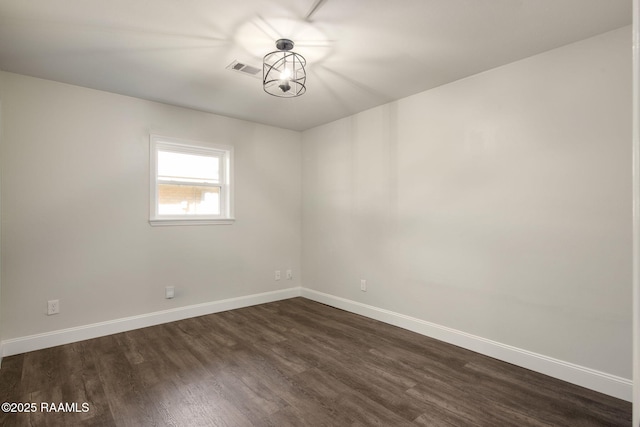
column 65, row 336
column 595, row 380
column 585, row 377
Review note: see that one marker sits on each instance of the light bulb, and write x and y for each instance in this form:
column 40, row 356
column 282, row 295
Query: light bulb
column 285, row 74
column 285, row 77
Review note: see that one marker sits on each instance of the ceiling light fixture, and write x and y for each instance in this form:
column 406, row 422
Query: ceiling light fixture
column 283, row 72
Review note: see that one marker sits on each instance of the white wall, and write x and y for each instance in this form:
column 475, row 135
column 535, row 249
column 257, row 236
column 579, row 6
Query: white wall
column 75, row 209
column 636, row 216
column 498, row 205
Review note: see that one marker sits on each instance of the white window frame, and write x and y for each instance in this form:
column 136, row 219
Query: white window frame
column 223, row 152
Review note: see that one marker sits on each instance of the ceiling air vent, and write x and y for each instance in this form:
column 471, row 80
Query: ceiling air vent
column 245, row 69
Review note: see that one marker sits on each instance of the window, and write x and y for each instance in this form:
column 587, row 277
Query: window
column 191, row 182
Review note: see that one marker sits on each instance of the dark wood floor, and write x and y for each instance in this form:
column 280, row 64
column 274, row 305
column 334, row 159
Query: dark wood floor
column 289, row 363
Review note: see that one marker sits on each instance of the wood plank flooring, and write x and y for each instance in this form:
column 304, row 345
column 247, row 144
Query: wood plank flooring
column 289, row 363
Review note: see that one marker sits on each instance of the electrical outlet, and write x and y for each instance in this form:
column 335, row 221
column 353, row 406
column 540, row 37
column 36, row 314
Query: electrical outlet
column 53, row 307
column 169, row 292
column 289, row 274
column 363, row 285
column 277, row 274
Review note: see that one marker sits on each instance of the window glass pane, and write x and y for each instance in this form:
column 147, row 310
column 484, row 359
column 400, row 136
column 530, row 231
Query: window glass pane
column 175, row 199
column 187, row 167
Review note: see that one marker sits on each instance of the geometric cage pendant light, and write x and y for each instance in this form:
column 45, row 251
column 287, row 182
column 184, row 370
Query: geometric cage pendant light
column 283, row 72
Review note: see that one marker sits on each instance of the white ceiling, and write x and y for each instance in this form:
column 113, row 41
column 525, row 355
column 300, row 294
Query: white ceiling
column 360, row 53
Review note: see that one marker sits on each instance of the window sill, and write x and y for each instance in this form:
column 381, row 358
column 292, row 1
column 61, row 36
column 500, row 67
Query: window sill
column 190, row 221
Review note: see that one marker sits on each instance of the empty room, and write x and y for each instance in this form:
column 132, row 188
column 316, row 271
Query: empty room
column 319, row 212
